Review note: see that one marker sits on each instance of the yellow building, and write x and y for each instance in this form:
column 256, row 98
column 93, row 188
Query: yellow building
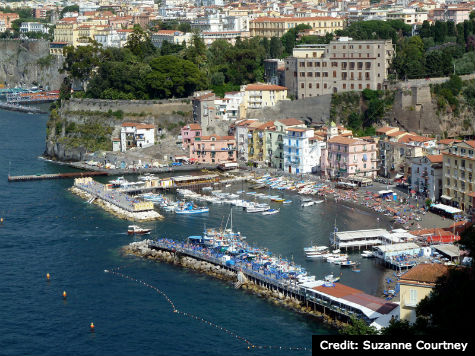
column 415, row 285
column 258, row 96
column 257, row 141
column 66, row 31
column 277, row 26
column 86, row 34
column 458, row 176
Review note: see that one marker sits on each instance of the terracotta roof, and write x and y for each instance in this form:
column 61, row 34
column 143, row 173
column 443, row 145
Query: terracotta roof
column 138, row 125
column 385, row 129
column 296, row 129
column 218, row 138
column 204, row 96
column 414, row 138
column 264, row 87
column 425, row 273
column 435, row 158
column 343, row 140
column 245, row 123
column 193, row 126
column 471, row 143
column 291, row 122
column 266, row 125
column 448, row 141
column 397, row 133
column 168, row 32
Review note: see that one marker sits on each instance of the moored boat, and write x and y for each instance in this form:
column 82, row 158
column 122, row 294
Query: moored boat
column 137, row 230
column 271, row 212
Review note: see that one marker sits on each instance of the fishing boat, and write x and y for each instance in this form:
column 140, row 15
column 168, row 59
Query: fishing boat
column 137, row 230
column 367, row 254
column 278, row 200
column 271, row 212
column 190, row 209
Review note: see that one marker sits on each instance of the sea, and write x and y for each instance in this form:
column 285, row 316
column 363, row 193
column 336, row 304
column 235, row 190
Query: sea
column 46, row 229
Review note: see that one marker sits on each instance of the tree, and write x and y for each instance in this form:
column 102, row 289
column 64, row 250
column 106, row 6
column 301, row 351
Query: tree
column 139, row 43
column 425, row 30
column 196, row 52
column 276, row 49
column 79, row 62
column 171, row 76
column 71, row 8
column 170, row 48
column 440, row 31
column 290, row 37
column 358, row 327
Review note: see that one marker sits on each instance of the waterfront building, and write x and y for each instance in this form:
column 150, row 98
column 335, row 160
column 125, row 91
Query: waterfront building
column 276, row 26
column 213, row 149
column 189, row 133
column 343, row 65
column 275, row 140
column 415, row 285
column 134, row 134
column 348, row 157
column 458, row 176
column 257, row 141
column 241, row 132
column 426, row 176
column 302, row 152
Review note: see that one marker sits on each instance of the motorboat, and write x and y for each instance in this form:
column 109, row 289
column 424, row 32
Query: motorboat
column 271, row 212
column 346, row 263
column 367, row 254
column 308, row 203
column 315, row 248
column 331, row 278
column 190, row 209
column 137, row 230
column 287, row 202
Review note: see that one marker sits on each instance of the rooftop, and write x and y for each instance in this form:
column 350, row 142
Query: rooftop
column 425, row 273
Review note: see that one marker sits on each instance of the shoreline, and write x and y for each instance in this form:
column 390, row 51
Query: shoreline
column 141, row 249
column 116, row 211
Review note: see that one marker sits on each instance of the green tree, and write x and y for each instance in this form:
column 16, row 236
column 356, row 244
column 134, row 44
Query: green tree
column 79, row 62
column 358, row 327
column 440, row 31
column 70, row 8
column 170, row 48
column 196, row 52
column 139, row 43
column 276, row 49
column 290, row 37
column 171, row 76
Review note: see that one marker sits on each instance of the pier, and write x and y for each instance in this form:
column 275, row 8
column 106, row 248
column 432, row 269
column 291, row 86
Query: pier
column 54, row 176
column 358, row 239
column 331, row 299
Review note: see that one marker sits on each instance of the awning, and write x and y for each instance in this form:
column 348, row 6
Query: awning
column 446, row 197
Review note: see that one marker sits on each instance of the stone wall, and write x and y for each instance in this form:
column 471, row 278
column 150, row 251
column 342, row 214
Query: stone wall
column 19, row 64
column 152, row 107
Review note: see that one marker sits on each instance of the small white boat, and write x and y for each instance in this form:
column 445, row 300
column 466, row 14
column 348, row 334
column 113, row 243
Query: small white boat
column 271, row 212
column 137, row 230
column 346, row 263
column 287, row 202
column 256, row 209
column 315, row 248
column 332, row 279
column 367, row 254
column 308, row 203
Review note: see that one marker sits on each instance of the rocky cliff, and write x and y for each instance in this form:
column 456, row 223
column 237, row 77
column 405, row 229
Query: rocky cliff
column 28, row 63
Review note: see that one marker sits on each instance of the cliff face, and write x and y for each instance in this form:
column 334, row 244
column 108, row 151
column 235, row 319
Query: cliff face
column 28, row 63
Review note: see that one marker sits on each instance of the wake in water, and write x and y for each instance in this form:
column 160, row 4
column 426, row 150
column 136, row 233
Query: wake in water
column 174, row 309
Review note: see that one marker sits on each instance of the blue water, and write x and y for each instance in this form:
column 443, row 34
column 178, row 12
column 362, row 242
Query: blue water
column 49, row 230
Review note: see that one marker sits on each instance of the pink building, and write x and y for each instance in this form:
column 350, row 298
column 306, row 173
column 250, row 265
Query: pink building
column 348, row 157
column 189, row 133
column 213, row 149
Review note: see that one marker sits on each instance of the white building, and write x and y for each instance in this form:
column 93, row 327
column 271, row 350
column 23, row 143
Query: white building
column 302, row 152
column 135, row 134
column 228, row 107
column 171, row 36
column 426, row 176
column 108, row 38
column 33, row 27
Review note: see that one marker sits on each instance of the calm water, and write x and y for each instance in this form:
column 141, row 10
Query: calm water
column 47, row 229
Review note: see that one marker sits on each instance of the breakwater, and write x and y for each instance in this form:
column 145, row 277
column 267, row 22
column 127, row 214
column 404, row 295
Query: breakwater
column 284, row 295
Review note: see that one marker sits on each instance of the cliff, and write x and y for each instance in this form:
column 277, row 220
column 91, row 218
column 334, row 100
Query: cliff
column 82, row 126
column 28, row 63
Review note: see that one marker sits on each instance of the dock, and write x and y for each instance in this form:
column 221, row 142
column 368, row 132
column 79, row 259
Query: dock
column 358, row 239
column 335, row 300
column 54, row 176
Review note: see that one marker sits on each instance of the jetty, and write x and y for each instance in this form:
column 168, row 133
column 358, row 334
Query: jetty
column 54, row 176
column 314, row 297
column 358, row 239
column 21, row 108
column 116, row 202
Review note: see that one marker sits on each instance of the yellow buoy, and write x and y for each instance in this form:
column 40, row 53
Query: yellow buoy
column 64, row 294
column 47, row 276
column 92, row 326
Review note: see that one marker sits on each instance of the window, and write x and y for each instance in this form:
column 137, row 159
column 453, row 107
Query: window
column 334, row 74
column 309, row 64
column 352, row 86
column 310, row 85
column 317, row 74
column 360, row 86
column 325, row 85
column 344, row 86
column 310, row 74
column 318, row 85
column 412, row 298
column 302, row 85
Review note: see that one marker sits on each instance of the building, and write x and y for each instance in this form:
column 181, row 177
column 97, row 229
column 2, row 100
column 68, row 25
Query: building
column 346, row 157
column 257, row 141
column 258, row 96
column 213, row 149
column 134, row 134
column 415, row 285
column 171, row 36
column 241, row 132
column 276, row 26
column 275, row 140
column 426, row 176
column 189, row 133
column 409, row 16
column 274, row 71
column 66, row 31
column 301, row 151
column 7, row 18
column 33, row 27
column 458, row 176
column 229, row 36
column 343, row 65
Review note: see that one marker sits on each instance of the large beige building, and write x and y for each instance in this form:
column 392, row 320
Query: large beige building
column 258, row 96
column 66, row 31
column 458, row 177
column 339, row 66
column 277, row 26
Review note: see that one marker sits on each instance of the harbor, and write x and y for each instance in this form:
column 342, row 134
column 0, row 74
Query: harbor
column 69, row 175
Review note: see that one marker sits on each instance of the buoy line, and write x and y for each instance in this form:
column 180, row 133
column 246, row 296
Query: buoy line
column 250, row 345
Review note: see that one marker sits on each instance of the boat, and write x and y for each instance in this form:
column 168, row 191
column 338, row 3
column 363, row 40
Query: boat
column 190, row 209
column 278, row 200
column 256, row 209
column 332, row 279
column 271, row 212
column 315, row 248
column 308, row 203
column 137, row 230
column 287, row 202
column 367, row 254
column 347, row 263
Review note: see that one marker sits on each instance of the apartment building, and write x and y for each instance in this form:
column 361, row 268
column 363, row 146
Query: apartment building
column 426, row 176
column 241, row 132
column 409, row 16
column 213, row 149
column 171, row 36
column 302, row 152
column 133, row 134
column 7, row 18
column 66, row 31
column 188, row 134
column 339, row 66
column 257, row 141
column 258, row 96
column 276, row 26
column 275, row 140
column 348, row 157
column 33, row 27
column 458, row 176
